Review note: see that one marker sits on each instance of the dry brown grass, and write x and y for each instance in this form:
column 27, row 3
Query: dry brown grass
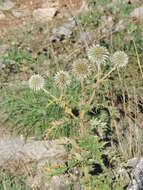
column 75, row 4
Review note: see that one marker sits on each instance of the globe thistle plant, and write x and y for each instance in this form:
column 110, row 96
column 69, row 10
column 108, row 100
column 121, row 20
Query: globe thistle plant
column 98, row 54
column 62, row 79
column 119, row 59
column 36, row 82
column 81, row 69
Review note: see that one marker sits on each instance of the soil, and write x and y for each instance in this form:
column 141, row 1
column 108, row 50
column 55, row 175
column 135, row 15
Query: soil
column 11, row 22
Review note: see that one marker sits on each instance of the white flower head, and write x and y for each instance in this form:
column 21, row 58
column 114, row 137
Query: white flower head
column 62, row 79
column 81, row 69
column 36, row 82
column 119, row 59
column 98, row 54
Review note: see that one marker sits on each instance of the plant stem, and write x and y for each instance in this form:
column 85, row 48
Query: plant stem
column 82, row 88
column 82, row 112
column 82, row 127
column 97, row 83
column 86, row 173
column 62, row 104
column 47, row 92
column 108, row 74
column 138, row 59
column 95, row 86
column 93, row 93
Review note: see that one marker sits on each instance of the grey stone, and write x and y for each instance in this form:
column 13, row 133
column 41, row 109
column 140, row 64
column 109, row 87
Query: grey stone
column 10, row 149
column 6, row 5
column 58, row 182
column 132, row 162
column 136, row 174
column 14, row 148
column 2, row 15
column 16, row 153
column 16, row 13
column 44, row 14
column 63, row 31
column 137, row 13
column 21, row 12
column 42, row 150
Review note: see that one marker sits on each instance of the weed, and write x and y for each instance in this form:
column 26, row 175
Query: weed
column 10, row 182
column 96, row 106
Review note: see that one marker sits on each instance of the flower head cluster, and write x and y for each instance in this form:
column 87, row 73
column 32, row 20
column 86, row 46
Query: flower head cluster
column 119, row 59
column 36, row 82
column 98, row 54
column 62, row 79
column 81, row 69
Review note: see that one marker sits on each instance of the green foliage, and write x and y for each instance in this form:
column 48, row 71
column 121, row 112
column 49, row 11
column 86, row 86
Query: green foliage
column 83, row 154
column 30, row 113
column 15, row 59
column 38, row 114
column 10, row 182
column 106, row 182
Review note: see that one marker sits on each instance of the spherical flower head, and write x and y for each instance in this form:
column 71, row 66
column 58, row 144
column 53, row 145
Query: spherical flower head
column 62, row 79
column 119, row 59
column 81, row 69
column 98, row 54
column 36, row 82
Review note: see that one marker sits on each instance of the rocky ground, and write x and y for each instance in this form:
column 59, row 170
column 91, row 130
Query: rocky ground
column 14, row 13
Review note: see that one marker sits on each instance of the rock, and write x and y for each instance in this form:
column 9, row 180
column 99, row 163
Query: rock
column 132, row 162
column 42, row 150
column 7, row 5
column 132, row 173
column 20, row 12
column 10, row 150
column 44, row 14
column 137, row 13
column 58, row 183
column 16, row 13
column 16, row 148
column 2, row 15
column 136, row 175
column 16, row 155
column 64, row 31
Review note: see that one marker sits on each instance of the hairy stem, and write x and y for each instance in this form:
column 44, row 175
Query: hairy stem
column 62, row 104
column 82, row 126
column 95, row 86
